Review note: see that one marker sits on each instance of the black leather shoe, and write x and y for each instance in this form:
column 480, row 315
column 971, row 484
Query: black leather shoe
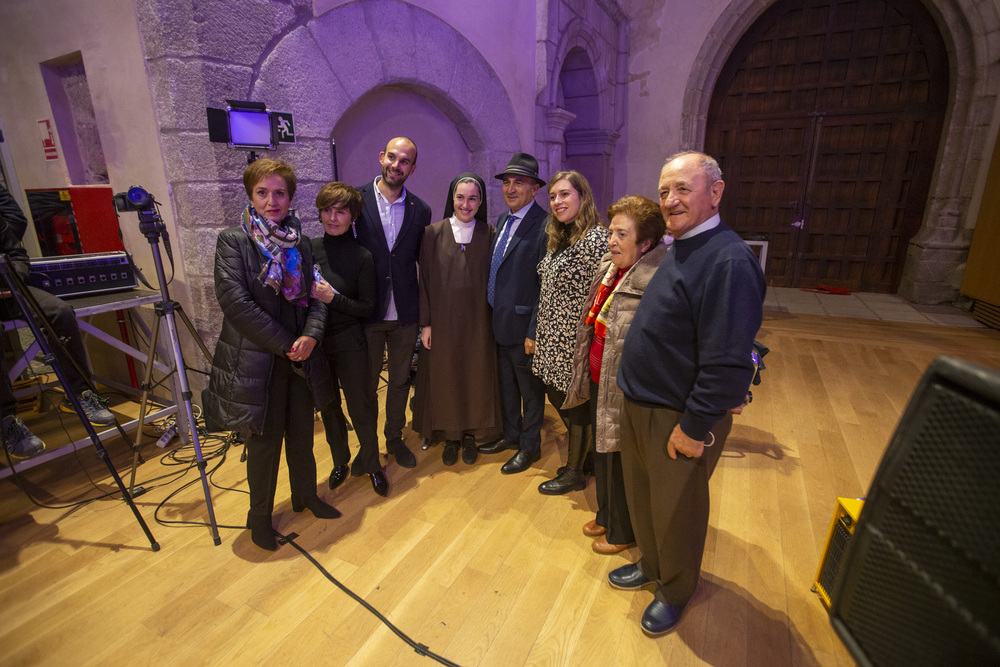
column 660, row 618
column 469, row 451
column 380, row 483
column 520, row 462
column 497, row 446
column 568, row 480
column 261, row 532
column 319, row 509
column 628, row 578
column 449, row 456
column 338, row 476
column 401, row 453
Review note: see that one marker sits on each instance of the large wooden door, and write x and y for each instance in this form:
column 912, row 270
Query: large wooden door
column 826, row 121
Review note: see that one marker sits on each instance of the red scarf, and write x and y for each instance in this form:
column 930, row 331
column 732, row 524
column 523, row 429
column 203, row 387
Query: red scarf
column 598, row 317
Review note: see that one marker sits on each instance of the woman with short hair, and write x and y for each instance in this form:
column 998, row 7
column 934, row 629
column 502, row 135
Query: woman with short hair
column 265, row 378
column 348, row 289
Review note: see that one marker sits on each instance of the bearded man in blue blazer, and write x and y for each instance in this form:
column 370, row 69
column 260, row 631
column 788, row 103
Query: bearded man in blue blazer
column 391, row 226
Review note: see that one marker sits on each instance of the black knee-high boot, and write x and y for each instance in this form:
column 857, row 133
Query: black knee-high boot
column 571, row 478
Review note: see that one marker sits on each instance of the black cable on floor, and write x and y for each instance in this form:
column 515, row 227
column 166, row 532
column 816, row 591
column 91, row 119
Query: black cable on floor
column 221, row 453
column 420, row 649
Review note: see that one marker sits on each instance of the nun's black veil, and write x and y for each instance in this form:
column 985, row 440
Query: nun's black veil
column 449, row 207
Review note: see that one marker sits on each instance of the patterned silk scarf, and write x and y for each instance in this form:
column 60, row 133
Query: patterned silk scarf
column 283, row 269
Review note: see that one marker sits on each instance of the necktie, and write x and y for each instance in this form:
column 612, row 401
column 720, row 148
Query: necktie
column 497, row 258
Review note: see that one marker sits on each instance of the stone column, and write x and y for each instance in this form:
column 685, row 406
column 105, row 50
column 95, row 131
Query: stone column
column 557, row 120
column 592, row 152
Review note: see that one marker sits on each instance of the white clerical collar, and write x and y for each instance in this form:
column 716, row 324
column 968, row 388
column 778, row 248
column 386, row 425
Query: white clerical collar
column 462, row 231
column 711, row 223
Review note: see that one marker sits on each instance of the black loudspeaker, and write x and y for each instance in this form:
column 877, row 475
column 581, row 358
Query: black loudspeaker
column 920, row 582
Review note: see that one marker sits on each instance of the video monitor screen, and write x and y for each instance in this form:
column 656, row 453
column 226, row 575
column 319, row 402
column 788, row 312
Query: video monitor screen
column 250, row 129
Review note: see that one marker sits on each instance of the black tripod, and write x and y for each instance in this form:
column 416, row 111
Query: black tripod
column 42, row 329
column 151, row 225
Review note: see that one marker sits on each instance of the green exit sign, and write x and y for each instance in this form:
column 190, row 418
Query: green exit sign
column 285, row 126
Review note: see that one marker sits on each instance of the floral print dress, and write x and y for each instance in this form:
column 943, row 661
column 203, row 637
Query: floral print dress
column 566, row 279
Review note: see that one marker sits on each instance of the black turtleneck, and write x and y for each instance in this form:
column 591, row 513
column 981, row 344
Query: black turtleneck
column 350, row 270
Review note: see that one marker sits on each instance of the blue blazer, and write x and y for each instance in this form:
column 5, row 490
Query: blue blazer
column 515, row 296
column 395, row 269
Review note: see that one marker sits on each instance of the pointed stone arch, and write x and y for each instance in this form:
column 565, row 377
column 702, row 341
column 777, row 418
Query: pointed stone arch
column 581, row 134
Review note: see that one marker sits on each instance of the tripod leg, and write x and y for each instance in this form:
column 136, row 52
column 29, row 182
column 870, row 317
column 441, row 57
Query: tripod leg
column 185, row 393
column 194, row 334
column 36, row 321
column 147, row 385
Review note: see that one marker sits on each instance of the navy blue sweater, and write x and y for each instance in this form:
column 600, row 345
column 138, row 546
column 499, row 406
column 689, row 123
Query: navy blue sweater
column 689, row 345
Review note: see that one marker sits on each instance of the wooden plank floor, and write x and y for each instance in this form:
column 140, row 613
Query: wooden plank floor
column 475, row 565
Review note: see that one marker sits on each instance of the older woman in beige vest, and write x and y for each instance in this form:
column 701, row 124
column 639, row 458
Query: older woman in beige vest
column 636, row 239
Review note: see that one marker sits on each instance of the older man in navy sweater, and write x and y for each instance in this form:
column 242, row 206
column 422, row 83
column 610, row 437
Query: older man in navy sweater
column 686, row 362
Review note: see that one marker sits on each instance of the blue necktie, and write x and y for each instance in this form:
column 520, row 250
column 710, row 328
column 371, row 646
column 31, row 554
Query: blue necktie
column 497, row 258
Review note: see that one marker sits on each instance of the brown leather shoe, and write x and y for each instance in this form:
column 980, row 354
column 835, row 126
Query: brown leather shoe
column 591, row 529
column 602, row 546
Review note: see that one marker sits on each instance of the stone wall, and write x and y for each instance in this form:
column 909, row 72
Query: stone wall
column 342, row 69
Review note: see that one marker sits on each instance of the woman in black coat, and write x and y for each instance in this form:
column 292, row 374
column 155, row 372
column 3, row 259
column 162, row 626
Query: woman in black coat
column 348, row 288
column 264, row 375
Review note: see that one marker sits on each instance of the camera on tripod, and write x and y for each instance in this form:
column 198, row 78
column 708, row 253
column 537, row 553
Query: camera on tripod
column 138, row 199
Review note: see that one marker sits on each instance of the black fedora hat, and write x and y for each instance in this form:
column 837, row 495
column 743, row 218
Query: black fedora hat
column 522, row 164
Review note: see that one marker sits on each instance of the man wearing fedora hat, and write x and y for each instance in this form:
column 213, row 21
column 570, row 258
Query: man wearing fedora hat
column 512, row 291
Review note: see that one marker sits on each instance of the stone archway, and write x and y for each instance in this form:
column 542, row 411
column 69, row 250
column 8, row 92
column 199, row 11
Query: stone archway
column 314, row 67
column 349, row 60
column 580, row 102
column 932, row 273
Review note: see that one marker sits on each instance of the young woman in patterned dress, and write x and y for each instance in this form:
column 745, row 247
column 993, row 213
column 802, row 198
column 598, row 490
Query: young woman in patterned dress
column 577, row 240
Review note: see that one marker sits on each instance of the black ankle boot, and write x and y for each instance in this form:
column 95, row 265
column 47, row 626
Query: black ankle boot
column 261, row 532
column 570, row 479
column 319, row 509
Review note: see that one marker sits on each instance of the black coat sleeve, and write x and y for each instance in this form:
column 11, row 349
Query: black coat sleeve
column 10, row 244
column 238, row 297
column 12, row 213
column 315, row 325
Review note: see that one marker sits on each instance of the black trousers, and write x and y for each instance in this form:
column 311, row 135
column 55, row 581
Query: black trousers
column 612, row 505
column 63, row 319
column 289, row 417
column 349, row 368
column 397, row 342
column 522, row 398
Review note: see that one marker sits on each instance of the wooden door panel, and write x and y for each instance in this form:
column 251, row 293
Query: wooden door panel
column 767, row 174
column 830, row 112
